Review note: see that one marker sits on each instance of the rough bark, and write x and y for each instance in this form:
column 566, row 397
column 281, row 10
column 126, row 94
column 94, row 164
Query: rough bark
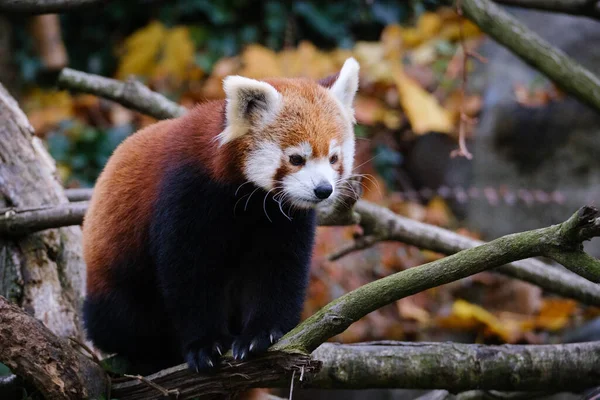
column 21, row 222
column 43, row 272
column 584, row 8
column 338, row 315
column 275, row 369
column 451, row 366
column 54, row 367
column 531, row 48
column 45, row 6
column 457, row 367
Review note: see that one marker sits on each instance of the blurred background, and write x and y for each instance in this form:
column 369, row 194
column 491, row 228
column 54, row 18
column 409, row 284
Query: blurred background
column 535, row 151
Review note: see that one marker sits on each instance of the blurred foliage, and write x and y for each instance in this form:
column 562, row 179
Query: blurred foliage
column 4, row 370
column 218, row 28
column 411, row 67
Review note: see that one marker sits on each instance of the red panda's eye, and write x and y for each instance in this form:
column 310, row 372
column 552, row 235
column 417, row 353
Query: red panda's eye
column 333, row 159
column 296, row 159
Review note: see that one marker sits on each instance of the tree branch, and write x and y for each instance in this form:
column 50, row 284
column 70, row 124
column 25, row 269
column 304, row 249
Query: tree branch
column 379, row 224
column 585, row 8
column 45, row 6
column 274, row 369
column 457, row 367
column 338, row 315
column 531, row 48
column 20, row 222
column 131, row 94
column 451, row 366
column 34, row 353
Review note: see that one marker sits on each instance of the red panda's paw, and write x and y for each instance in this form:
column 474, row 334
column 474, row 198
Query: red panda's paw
column 254, row 343
column 202, row 357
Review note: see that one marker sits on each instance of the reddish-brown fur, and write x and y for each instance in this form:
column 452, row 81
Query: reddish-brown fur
column 117, row 223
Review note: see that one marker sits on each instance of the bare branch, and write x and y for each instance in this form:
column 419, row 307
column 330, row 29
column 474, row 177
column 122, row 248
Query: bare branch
column 381, row 224
column 531, row 48
column 34, row 353
column 131, row 94
column 22, row 222
column 585, row 8
column 275, row 369
column 46, row 6
column 454, row 367
column 457, row 367
column 342, row 312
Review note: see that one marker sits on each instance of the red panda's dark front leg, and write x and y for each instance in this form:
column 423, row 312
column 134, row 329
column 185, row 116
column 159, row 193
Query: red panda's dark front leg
column 277, row 268
column 192, row 284
column 190, row 234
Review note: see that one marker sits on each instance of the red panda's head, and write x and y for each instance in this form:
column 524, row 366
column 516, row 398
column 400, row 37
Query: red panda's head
column 295, row 136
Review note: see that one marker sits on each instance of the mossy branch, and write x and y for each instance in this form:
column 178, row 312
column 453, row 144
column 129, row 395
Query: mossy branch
column 342, row 312
column 531, row 48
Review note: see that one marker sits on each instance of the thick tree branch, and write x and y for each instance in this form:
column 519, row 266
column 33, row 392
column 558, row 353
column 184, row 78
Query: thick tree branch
column 379, row 224
column 457, row 367
column 342, row 312
column 585, row 8
column 45, row 6
column 34, row 353
column 131, row 94
column 531, row 48
column 275, row 369
column 451, row 366
column 22, row 222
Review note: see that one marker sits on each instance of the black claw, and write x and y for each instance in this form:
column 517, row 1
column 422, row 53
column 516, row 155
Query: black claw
column 254, row 343
column 202, row 357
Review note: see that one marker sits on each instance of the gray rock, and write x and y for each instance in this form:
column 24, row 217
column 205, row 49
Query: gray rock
column 551, row 148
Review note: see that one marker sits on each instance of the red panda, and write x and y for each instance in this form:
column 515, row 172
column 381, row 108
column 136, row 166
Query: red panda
column 199, row 234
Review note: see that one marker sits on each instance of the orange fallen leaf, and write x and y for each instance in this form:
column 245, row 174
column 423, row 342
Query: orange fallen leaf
column 422, row 109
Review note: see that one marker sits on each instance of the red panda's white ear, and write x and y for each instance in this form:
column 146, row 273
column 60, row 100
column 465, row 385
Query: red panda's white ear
column 346, row 85
column 250, row 103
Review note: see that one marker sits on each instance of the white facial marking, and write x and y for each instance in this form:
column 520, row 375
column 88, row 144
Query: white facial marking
column 348, row 153
column 262, row 164
column 304, row 149
column 300, row 185
column 334, row 148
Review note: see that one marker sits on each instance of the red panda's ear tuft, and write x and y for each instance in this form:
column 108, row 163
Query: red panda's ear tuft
column 250, row 103
column 344, row 84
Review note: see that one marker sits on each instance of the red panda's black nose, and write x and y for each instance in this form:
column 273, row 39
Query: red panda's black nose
column 323, row 190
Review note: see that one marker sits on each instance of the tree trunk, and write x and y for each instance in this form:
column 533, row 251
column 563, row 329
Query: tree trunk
column 43, row 272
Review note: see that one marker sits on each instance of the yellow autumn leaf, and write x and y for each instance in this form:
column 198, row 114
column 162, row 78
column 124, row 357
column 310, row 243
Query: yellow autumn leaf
column 392, row 40
column 141, row 51
column 451, row 31
column 555, row 313
column 467, row 311
column 177, row 55
column 429, row 24
column 422, row 109
column 46, row 108
column 411, row 37
column 260, row 62
column 374, row 66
